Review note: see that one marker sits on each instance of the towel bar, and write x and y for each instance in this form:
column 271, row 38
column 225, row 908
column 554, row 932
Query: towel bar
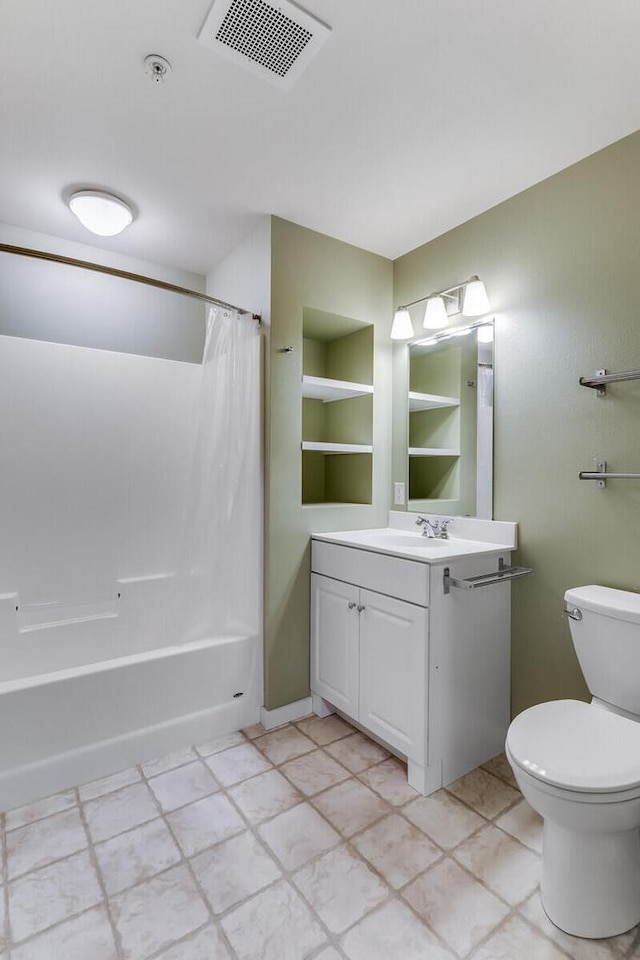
column 486, row 579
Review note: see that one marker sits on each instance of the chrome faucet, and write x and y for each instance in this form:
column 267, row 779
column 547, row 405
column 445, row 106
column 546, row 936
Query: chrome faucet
column 434, row 529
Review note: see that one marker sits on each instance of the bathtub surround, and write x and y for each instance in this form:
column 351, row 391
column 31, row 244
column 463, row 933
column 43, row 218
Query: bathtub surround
column 247, row 847
column 90, row 499
column 130, row 570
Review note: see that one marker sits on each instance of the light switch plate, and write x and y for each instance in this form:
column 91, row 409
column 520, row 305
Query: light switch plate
column 398, row 494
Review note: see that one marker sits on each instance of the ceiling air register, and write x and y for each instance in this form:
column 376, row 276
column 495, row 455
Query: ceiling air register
column 275, row 41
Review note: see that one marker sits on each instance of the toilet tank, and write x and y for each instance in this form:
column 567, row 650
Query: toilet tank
column 607, row 642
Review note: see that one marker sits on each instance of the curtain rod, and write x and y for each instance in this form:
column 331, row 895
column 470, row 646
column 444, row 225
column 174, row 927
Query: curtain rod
column 122, row 274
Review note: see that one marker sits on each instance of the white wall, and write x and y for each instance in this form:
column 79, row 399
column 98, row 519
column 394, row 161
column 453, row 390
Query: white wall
column 63, row 304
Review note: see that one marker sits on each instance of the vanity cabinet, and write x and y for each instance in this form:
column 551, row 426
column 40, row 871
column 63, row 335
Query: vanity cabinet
column 423, row 670
column 369, row 659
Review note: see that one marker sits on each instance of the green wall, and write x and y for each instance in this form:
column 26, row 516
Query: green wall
column 312, row 272
column 560, row 263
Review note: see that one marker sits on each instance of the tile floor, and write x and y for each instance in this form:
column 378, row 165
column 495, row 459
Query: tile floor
column 305, row 842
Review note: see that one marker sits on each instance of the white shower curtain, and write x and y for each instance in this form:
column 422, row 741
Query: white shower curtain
column 223, row 522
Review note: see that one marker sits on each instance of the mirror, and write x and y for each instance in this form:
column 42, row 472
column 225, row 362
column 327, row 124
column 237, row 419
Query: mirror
column 450, row 428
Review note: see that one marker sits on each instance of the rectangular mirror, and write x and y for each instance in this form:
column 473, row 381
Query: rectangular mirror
column 450, row 424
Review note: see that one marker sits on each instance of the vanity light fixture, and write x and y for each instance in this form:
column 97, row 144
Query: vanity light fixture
column 475, row 302
column 435, row 314
column 100, row 212
column 468, row 298
column 402, row 327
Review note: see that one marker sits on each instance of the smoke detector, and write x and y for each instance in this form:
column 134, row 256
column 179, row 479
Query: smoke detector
column 276, row 41
column 156, row 67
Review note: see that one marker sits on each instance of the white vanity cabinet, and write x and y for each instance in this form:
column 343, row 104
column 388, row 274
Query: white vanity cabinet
column 424, row 670
column 369, row 659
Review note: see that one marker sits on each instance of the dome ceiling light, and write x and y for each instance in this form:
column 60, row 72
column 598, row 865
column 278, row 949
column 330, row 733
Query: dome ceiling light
column 100, row 212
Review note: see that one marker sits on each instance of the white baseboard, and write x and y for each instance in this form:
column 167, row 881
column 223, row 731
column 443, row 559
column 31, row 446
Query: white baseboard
column 321, row 707
column 290, row 711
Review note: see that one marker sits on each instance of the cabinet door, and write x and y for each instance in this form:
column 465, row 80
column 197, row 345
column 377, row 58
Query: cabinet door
column 393, row 672
column 334, row 642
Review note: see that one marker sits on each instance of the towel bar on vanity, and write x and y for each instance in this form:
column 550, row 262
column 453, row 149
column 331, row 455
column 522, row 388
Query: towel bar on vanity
column 486, row 579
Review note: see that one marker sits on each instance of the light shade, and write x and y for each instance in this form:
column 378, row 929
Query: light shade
column 401, row 328
column 435, row 314
column 475, row 301
column 100, row 212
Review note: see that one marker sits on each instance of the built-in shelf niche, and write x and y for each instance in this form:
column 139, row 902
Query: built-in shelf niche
column 337, row 409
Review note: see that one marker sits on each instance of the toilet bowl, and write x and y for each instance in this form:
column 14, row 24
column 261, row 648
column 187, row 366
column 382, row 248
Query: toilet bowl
column 578, row 766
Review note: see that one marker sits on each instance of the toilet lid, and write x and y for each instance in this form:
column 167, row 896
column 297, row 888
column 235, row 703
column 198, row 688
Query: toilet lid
column 578, row 746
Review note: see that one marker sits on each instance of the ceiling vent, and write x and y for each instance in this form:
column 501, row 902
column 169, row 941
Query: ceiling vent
column 275, row 41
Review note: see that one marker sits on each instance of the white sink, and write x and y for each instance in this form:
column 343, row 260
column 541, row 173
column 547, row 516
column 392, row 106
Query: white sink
column 402, row 541
column 405, row 543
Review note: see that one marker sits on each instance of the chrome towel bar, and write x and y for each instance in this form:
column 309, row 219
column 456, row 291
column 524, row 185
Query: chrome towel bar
column 601, row 474
column 601, row 378
column 486, row 579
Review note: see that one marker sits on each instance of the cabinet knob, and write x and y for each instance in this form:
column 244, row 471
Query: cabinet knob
column 360, row 609
column 352, row 604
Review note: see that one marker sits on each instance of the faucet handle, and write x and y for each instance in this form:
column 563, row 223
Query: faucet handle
column 442, row 528
column 428, row 527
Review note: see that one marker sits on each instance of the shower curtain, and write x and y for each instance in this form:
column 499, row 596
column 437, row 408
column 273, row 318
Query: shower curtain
column 223, row 522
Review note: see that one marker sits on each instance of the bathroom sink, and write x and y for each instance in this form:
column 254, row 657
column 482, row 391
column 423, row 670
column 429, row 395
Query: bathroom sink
column 402, row 541
column 405, row 543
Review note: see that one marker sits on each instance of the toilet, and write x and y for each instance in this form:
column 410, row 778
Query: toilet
column 578, row 766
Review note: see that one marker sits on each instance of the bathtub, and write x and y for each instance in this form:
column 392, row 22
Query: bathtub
column 64, row 727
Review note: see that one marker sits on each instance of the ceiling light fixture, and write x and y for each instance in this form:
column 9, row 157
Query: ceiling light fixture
column 101, row 212
column 468, row 298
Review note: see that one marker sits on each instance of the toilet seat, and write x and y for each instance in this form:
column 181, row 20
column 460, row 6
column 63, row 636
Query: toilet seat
column 577, row 746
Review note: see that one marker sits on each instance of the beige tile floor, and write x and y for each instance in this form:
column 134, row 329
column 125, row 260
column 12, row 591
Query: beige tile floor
column 305, row 842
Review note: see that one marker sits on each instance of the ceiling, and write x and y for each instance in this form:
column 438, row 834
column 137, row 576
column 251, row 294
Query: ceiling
column 414, row 116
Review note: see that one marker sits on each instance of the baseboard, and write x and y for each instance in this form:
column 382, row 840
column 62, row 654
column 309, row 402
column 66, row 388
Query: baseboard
column 290, row 711
column 33, row 781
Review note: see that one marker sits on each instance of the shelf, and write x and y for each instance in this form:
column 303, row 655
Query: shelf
column 430, row 401
column 433, row 452
column 337, row 409
column 336, row 447
column 322, row 388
